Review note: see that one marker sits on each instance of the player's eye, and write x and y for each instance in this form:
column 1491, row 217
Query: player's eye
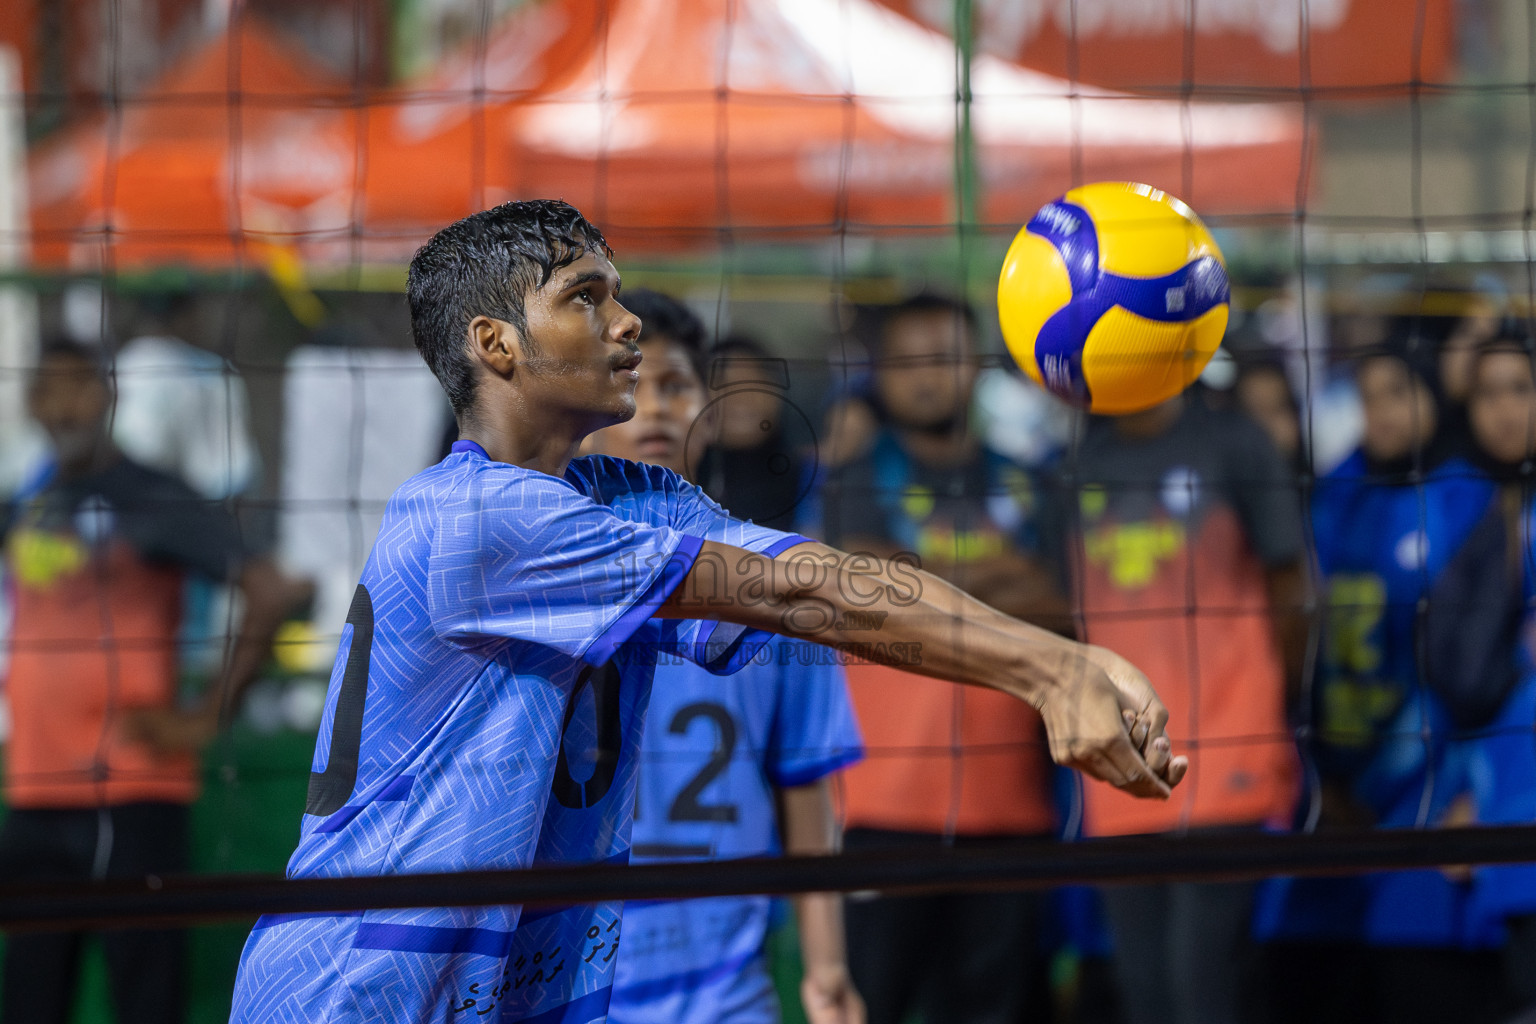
column 585, row 295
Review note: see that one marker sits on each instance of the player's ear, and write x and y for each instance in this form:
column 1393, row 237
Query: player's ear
column 495, row 343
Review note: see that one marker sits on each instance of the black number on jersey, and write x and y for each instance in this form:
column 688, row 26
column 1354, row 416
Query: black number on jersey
column 605, row 698
column 687, row 807
column 328, row 790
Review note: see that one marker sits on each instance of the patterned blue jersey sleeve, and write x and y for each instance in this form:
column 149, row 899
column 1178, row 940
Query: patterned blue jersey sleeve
column 659, row 496
column 662, row 498
column 814, row 729
column 526, row 556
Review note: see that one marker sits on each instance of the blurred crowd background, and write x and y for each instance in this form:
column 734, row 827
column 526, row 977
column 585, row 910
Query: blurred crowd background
column 1321, row 554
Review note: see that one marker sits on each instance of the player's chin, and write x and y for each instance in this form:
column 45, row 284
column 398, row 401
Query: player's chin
column 621, row 408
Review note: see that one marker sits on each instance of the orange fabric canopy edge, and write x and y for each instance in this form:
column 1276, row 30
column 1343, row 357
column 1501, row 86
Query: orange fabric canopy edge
column 242, row 145
column 670, row 123
column 677, row 123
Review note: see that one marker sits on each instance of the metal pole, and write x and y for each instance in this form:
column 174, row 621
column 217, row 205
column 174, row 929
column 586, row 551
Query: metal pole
column 966, row 185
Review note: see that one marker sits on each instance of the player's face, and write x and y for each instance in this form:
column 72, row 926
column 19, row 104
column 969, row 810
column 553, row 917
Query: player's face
column 70, row 401
column 1479, row 324
column 579, row 351
column 749, row 412
column 927, row 369
column 1399, row 409
column 1264, row 396
column 1503, row 406
column 668, row 399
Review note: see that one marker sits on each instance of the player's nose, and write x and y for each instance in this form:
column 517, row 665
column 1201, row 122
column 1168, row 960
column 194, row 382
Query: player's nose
column 625, row 327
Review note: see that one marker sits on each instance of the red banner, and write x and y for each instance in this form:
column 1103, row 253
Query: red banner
column 1146, row 44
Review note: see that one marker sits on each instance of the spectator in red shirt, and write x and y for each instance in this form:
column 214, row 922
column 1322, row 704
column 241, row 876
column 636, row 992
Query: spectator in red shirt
column 1188, row 560
column 100, row 765
column 944, row 765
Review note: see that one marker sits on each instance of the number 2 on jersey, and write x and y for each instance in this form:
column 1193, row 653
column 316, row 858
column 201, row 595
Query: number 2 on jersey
column 686, row 806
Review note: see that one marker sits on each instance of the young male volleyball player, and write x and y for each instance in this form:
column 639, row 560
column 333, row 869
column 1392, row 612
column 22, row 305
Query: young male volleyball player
column 729, row 767
column 488, row 695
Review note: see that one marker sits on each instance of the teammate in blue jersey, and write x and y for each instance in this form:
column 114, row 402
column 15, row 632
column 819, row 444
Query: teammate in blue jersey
column 733, row 767
column 488, row 696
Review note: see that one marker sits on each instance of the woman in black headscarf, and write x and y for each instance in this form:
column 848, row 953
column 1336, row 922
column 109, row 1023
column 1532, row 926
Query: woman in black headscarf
column 1476, row 644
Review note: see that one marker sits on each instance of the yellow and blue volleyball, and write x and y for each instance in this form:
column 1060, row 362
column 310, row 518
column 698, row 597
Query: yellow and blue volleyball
column 1114, row 297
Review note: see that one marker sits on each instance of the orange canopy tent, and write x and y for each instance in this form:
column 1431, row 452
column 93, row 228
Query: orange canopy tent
column 670, row 121
column 242, row 147
column 246, row 150
column 437, row 147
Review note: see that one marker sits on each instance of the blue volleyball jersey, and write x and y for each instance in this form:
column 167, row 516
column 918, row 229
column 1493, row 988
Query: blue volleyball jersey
column 484, row 712
column 1377, row 727
column 713, row 752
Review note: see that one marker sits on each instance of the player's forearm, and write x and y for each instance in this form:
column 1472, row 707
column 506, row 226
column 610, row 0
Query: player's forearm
column 807, row 821
column 819, row 924
column 887, row 612
column 809, row 827
column 1101, row 714
column 1012, row 583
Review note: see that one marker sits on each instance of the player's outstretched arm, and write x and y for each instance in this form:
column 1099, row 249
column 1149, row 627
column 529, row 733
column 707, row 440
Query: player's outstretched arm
column 1101, row 715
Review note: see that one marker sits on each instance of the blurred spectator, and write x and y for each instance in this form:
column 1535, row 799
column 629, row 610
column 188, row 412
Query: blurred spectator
column 100, row 765
column 1464, row 317
column 184, row 411
column 1480, row 643
column 1358, row 323
column 1451, row 317
column 716, row 758
column 1387, row 523
column 1477, row 604
column 1020, row 419
column 1190, row 565
column 851, row 426
column 358, row 421
column 751, row 467
column 1014, row 416
column 852, row 417
column 1448, row 315
column 1264, row 392
column 181, row 409
column 946, row 766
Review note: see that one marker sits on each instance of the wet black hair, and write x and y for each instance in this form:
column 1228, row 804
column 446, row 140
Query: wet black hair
column 486, row 265
column 665, row 317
